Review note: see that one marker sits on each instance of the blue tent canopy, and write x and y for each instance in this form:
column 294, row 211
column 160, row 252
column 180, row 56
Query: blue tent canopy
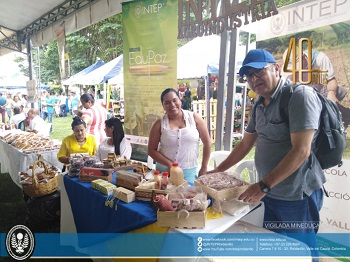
column 77, row 78
column 109, row 70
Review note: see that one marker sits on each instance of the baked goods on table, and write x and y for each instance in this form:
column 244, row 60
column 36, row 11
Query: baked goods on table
column 114, row 161
column 29, row 143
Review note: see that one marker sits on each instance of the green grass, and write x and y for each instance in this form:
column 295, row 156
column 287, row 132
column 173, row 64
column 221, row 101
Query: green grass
column 61, row 127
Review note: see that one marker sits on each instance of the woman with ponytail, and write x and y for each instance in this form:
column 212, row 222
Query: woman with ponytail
column 115, row 142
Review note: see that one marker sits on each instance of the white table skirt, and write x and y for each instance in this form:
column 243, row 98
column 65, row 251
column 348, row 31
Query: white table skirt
column 14, row 161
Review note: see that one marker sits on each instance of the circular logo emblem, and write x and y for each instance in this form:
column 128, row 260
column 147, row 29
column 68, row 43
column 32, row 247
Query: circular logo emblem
column 138, row 11
column 278, row 23
column 20, row 242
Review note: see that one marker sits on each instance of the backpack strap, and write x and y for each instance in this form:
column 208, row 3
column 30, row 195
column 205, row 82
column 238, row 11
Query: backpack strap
column 284, row 102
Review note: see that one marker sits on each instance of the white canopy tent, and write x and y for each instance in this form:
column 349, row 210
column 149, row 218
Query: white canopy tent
column 201, row 56
column 194, row 57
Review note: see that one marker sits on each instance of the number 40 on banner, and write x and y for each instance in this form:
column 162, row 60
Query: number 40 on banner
column 305, row 71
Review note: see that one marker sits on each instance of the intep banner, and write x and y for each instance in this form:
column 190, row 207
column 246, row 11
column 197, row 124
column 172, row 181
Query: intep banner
column 150, row 53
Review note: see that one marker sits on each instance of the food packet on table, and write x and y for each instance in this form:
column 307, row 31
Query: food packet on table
column 188, row 198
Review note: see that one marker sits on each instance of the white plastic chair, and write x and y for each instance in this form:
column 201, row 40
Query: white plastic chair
column 218, row 157
column 250, row 166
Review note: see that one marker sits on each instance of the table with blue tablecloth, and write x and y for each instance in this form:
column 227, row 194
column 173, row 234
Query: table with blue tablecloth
column 83, row 210
column 91, row 215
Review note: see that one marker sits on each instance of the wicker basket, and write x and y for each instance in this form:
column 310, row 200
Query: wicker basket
column 37, row 189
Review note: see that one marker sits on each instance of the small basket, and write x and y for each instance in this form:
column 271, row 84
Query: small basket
column 37, row 189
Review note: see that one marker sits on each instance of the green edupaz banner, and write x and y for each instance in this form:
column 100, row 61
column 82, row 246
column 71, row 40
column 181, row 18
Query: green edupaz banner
column 150, row 54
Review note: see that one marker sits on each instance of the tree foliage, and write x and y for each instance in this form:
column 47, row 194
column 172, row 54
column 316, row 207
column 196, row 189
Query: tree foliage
column 102, row 40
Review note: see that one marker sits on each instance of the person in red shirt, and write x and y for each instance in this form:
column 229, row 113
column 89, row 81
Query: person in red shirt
column 94, row 116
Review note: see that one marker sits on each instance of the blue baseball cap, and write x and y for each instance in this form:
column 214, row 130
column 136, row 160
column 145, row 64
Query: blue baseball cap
column 256, row 58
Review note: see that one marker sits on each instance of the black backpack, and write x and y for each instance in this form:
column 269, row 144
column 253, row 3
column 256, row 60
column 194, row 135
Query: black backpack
column 331, row 139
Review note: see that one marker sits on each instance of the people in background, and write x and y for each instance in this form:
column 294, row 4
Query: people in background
column 2, row 107
column 186, row 104
column 94, row 116
column 18, row 116
column 115, row 142
column 175, row 138
column 48, row 107
column 78, row 142
column 74, row 99
column 24, row 100
column 290, row 177
column 37, row 124
column 15, row 103
column 8, row 105
column 91, row 91
column 62, row 104
column 99, row 95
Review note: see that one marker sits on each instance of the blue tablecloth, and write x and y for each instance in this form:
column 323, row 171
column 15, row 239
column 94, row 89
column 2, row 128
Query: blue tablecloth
column 92, row 216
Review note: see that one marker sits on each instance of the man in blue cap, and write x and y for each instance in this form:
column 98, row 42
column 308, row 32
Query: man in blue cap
column 290, row 183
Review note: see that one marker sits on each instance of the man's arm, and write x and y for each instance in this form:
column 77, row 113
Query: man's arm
column 300, row 151
column 332, row 88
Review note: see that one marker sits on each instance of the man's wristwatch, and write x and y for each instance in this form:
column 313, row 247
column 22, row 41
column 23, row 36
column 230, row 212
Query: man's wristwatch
column 264, row 188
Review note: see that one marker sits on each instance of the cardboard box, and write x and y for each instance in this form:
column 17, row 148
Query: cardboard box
column 107, row 189
column 97, row 183
column 103, row 186
column 127, row 179
column 181, row 219
column 88, row 174
column 124, row 194
column 146, row 194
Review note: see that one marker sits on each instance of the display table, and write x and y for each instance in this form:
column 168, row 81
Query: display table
column 83, row 210
column 14, row 161
column 91, row 215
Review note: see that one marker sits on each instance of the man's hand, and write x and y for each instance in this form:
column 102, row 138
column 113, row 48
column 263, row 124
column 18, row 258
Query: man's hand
column 215, row 170
column 202, row 171
column 252, row 195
